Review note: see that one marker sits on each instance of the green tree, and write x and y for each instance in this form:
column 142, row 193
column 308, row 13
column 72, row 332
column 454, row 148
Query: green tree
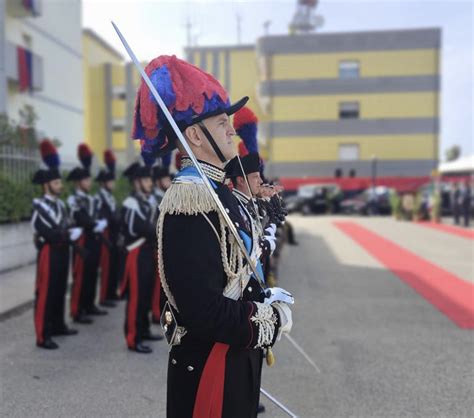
column 453, row 153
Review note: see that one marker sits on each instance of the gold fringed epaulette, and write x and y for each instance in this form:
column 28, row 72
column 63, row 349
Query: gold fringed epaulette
column 187, row 199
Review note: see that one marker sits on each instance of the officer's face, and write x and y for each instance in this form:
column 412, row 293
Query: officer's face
column 146, row 185
column 110, row 185
column 255, row 182
column 55, row 187
column 165, row 183
column 85, row 184
column 222, row 131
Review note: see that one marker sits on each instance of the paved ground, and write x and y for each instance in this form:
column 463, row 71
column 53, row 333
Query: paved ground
column 381, row 349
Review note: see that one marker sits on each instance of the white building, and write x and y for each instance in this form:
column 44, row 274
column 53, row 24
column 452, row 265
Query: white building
column 51, row 31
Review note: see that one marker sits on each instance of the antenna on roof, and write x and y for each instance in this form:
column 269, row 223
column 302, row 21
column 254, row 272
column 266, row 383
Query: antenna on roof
column 305, row 20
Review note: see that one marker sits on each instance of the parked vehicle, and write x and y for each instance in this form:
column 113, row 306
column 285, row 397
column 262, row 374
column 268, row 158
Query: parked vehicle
column 318, row 198
column 369, row 202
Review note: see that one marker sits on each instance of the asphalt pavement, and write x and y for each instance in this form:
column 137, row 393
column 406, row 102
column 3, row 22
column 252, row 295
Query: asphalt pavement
column 380, row 349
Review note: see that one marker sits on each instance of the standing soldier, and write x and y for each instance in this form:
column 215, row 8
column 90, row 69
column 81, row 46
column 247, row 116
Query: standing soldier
column 466, row 203
column 216, row 319
column 52, row 238
column 161, row 178
column 84, row 213
column 140, row 267
column 108, row 252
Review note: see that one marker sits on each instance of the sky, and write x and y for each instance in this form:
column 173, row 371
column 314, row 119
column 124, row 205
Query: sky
column 158, row 27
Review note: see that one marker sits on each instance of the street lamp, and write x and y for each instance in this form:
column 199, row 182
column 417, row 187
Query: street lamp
column 374, row 171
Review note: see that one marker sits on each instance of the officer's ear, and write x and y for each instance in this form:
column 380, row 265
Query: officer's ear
column 192, row 134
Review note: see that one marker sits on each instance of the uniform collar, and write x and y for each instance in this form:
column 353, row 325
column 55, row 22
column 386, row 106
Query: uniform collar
column 81, row 193
column 51, row 198
column 214, row 173
column 241, row 196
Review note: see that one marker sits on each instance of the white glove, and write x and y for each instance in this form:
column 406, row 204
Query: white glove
column 100, row 225
column 271, row 242
column 277, row 294
column 74, row 233
column 270, row 236
column 286, row 318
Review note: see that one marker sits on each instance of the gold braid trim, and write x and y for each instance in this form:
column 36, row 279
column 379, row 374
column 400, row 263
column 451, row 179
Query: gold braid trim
column 194, row 199
column 187, row 199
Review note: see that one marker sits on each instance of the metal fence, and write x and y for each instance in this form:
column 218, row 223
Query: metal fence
column 18, row 163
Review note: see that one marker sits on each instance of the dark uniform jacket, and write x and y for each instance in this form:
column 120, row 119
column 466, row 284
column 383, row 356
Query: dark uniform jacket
column 217, row 367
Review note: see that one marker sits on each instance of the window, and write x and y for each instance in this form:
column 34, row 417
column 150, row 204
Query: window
column 348, row 69
column 348, row 152
column 349, row 110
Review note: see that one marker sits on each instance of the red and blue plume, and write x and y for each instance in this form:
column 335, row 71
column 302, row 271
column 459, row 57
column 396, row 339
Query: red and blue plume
column 185, row 89
column 49, row 154
column 149, row 158
column 245, row 124
column 85, row 154
column 110, row 160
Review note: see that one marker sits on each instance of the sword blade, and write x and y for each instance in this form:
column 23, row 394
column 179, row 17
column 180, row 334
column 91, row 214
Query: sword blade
column 278, row 403
column 185, row 145
column 302, row 352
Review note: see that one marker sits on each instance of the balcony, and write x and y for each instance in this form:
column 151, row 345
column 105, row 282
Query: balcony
column 26, row 75
column 24, row 8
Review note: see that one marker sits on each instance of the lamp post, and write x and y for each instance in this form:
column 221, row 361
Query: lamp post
column 374, row 171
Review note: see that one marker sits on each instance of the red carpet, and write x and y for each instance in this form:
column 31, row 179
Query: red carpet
column 450, row 229
column 447, row 292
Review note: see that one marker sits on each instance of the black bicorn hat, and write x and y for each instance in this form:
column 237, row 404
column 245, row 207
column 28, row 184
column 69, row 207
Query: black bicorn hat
column 159, row 172
column 137, row 171
column 85, row 155
column 250, row 164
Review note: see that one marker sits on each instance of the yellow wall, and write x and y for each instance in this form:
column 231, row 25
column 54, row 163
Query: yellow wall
column 119, row 141
column 119, row 109
column 374, row 63
column 371, row 106
column 95, row 55
column 327, row 148
column 95, row 110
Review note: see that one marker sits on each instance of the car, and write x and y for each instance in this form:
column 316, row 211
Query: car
column 368, row 202
column 317, row 198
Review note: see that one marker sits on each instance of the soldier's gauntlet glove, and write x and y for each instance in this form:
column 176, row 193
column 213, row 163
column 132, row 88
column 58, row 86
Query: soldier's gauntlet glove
column 277, row 294
column 286, row 318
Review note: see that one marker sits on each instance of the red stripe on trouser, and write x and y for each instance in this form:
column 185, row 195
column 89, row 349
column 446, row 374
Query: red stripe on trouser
column 129, row 262
column 42, row 284
column 104, row 268
column 132, row 305
column 450, row 294
column 78, row 278
column 155, row 304
column 210, row 393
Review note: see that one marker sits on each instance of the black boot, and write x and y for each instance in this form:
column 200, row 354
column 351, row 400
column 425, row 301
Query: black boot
column 261, row 408
column 152, row 337
column 143, row 349
column 94, row 310
column 82, row 319
column 65, row 331
column 48, row 344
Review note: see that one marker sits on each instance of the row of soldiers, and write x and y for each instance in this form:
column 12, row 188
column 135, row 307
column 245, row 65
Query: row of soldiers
column 99, row 233
column 114, row 248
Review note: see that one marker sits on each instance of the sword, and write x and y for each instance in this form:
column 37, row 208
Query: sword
column 191, row 155
column 278, row 403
